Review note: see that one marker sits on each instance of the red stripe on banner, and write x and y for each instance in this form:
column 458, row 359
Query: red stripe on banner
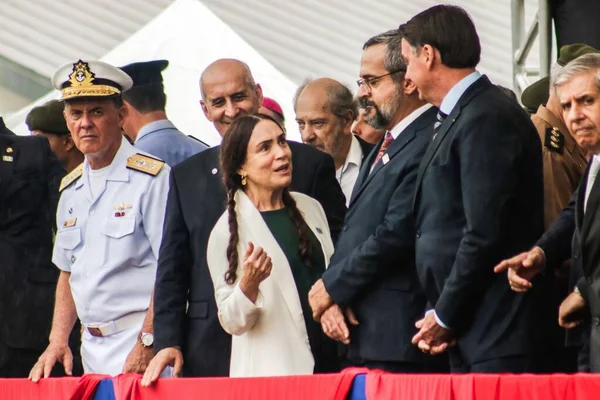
column 384, row 386
column 315, row 387
column 47, row 389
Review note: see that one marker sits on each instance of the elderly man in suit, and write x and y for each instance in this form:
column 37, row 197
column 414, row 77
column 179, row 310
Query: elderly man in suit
column 29, row 179
column 372, row 272
column 325, row 110
column 577, row 87
column 479, row 198
column 196, row 200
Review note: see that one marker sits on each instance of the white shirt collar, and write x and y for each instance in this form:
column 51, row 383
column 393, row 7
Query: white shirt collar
column 409, row 119
column 355, row 155
column 457, row 91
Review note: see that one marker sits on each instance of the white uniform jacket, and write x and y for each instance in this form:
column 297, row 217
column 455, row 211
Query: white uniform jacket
column 110, row 246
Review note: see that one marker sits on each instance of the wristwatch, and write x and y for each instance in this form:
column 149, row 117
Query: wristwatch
column 146, row 339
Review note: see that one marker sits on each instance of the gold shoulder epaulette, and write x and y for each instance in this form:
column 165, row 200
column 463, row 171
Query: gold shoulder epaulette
column 71, row 177
column 145, row 164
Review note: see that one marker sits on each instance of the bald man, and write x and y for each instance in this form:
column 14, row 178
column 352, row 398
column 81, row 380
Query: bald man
column 325, row 110
column 195, row 203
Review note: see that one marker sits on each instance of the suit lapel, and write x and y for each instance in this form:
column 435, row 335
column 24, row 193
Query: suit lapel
column 364, row 171
column 405, row 137
column 281, row 272
column 592, row 204
column 580, row 200
column 471, row 92
column 398, row 144
column 435, row 143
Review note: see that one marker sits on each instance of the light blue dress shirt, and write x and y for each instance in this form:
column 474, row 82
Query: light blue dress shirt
column 457, row 91
column 162, row 140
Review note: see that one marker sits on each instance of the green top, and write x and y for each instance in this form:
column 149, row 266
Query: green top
column 282, row 227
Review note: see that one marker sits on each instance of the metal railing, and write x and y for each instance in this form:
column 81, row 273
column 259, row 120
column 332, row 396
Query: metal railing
column 522, row 43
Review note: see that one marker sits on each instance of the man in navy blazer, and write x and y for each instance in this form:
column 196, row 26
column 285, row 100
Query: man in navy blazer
column 479, row 199
column 372, row 272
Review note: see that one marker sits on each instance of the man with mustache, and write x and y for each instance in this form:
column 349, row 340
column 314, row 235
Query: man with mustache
column 372, row 275
column 196, row 201
column 325, row 110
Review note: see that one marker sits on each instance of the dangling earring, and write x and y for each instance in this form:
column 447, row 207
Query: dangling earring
column 244, row 180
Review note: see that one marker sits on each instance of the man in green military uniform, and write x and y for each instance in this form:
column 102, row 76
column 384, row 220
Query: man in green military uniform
column 48, row 121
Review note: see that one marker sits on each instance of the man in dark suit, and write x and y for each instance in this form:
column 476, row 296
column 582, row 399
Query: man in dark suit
column 479, row 198
column 196, row 201
column 372, row 271
column 577, row 88
column 29, row 179
column 325, row 110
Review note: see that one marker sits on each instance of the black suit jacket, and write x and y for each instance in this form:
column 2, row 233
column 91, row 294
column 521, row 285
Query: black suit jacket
column 196, row 201
column 373, row 267
column 29, row 180
column 584, row 228
column 561, row 243
column 479, row 200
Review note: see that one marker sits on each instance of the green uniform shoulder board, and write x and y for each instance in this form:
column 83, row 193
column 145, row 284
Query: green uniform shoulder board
column 555, row 140
column 71, row 177
column 145, row 164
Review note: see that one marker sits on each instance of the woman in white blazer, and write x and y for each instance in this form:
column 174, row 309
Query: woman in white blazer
column 264, row 254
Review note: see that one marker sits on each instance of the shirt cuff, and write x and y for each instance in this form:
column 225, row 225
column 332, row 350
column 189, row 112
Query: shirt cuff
column 439, row 321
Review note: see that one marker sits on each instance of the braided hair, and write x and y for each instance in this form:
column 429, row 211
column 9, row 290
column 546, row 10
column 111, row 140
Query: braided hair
column 232, row 156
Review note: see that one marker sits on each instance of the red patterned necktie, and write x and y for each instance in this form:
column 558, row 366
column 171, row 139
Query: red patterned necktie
column 384, row 146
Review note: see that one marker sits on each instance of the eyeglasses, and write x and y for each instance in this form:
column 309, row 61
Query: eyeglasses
column 368, row 81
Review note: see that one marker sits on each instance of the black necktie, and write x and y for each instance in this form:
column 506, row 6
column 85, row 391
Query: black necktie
column 441, row 116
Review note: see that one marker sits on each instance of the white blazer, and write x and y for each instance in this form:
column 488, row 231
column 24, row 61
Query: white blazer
column 269, row 337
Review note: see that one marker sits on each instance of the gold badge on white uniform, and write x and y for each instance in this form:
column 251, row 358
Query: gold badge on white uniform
column 70, row 222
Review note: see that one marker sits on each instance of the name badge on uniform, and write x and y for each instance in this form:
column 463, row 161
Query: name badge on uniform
column 7, row 158
column 70, row 222
column 385, row 158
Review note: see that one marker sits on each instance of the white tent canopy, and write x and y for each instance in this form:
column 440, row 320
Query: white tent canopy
column 190, row 36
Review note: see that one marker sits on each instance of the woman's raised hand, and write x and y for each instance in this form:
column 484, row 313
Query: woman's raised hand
column 256, row 268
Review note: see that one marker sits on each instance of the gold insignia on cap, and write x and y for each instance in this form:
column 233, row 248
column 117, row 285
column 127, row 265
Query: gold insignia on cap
column 81, row 83
column 145, row 164
column 81, row 75
column 71, row 177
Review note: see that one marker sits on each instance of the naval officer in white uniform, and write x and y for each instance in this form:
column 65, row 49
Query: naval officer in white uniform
column 109, row 220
